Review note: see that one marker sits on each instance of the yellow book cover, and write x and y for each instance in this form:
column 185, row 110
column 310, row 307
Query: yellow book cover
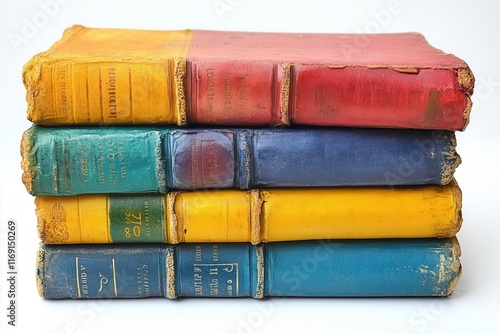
column 99, row 76
column 252, row 216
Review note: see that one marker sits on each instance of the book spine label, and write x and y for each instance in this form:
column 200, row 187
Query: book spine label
column 105, row 160
column 419, row 267
column 58, row 161
column 202, row 159
column 233, row 93
column 97, row 272
column 216, row 270
column 137, row 219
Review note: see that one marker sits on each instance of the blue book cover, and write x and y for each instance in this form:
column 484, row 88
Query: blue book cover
column 320, row 268
column 86, row 160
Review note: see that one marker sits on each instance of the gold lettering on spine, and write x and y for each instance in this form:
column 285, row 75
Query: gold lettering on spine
column 63, row 86
column 82, row 286
column 84, row 169
column 111, row 87
column 210, row 89
column 228, row 97
column 197, row 278
column 210, row 158
column 243, row 94
column 143, row 287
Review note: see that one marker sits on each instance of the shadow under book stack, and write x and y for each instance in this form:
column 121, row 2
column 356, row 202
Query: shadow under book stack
column 232, row 164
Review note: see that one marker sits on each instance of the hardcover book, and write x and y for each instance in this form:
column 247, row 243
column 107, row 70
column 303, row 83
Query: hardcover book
column 354, row 268
column 117, row 76
column 259, row 215
column 86, row 160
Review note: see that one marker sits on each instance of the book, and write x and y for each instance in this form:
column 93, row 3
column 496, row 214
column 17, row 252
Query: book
column 258, row 215
column 118, row 76
column 319, row 268
column 85, row 160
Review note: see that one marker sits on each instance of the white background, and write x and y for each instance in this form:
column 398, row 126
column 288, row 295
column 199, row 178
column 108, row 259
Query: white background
column 469, row 29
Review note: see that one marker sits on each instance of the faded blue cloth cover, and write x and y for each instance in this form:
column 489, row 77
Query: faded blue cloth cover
column 81, row 160
column 385, row 267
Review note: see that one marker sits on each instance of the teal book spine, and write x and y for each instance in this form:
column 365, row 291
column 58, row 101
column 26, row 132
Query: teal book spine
column 320, row 268
column 92, row 160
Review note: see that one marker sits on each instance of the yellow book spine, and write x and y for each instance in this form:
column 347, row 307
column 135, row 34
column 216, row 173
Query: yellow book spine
column 253, row 216
column 67, row 86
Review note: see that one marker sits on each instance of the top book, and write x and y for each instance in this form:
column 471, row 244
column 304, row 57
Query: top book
column 118, row 76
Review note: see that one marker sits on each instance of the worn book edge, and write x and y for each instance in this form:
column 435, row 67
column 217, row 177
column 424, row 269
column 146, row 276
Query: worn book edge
column 466, row 81
column 31, row 73
column 451, row 160
column 457, row 192
column 27, row 163
column 40, row 263
column 456, row 267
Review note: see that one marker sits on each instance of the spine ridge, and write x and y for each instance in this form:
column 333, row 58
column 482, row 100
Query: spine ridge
column 170, row 273
column 285, row 95
column 466, row 82
column 260, row 268
column 256, row 221
column 180, row 89
column 172, row 219
column 162, row 175
column 244, row 148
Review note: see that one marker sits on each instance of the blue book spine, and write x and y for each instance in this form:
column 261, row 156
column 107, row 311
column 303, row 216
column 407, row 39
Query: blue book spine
column 86, row 160
column 323, row 268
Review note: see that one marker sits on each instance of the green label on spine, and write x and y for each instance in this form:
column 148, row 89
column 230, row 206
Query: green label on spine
column 137, row 219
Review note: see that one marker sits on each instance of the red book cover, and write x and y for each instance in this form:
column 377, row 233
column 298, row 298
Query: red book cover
column 391, row 80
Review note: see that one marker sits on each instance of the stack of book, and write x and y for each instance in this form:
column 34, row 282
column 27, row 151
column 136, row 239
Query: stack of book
column 231, row 164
